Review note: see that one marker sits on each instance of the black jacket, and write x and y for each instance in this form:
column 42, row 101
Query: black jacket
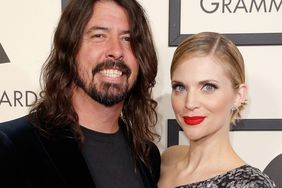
column 29, row 160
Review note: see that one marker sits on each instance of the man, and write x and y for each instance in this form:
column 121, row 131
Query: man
column 93, row 126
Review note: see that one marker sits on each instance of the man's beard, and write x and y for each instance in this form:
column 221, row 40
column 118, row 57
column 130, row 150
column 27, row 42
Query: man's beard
column 106, row 93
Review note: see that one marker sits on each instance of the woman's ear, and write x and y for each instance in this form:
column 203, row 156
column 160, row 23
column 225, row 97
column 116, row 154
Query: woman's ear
column 241, row 95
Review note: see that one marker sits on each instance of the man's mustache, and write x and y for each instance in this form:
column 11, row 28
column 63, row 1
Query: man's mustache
column 111, row 64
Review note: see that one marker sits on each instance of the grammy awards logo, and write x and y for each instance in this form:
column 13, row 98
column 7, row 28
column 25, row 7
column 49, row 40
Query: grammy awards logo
column 3, row 56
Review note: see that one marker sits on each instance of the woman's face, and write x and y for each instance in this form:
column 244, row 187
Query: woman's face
column 202, row 97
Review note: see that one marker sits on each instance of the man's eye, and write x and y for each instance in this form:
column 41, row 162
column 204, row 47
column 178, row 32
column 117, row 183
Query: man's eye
column 127, row 38
column 97, row 36
column 209, row 87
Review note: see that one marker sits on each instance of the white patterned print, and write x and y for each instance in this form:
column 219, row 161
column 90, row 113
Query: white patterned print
column 245, row 176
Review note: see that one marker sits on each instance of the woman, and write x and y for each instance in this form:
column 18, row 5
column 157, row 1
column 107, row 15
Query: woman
column 208, row 94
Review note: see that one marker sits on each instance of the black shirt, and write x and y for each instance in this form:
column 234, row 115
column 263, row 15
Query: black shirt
column 109, row 160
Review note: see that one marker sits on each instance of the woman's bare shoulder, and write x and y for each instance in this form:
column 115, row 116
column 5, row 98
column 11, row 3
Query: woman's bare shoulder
column 173, row 154
column 171, row 161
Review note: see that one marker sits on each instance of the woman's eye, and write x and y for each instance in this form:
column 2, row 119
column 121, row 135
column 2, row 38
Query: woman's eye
column 178, row 88
column 209, row 87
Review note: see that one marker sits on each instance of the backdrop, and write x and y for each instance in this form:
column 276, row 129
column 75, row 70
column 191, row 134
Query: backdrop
column 26, row 31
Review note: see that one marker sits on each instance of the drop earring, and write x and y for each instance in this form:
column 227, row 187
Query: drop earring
column 234, row 109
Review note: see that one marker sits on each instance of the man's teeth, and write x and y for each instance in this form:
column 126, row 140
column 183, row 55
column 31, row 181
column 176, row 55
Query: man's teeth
column 111, row 73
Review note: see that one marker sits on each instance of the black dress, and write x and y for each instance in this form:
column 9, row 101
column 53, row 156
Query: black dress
column 245, row 176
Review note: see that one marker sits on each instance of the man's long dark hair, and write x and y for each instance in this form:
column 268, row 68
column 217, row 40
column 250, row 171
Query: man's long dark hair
column 54, row 112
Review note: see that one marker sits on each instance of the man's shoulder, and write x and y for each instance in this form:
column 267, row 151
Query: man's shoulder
column 154, row 153
column 15, row 137
column 19, row 131
column 15, row 126
column 153, row 147
column 15, row 121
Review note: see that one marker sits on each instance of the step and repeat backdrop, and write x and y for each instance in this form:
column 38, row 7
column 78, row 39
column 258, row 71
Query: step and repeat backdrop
column 27, row 27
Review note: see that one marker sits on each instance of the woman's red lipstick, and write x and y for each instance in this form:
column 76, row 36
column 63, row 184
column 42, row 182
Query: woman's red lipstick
column 193, row 120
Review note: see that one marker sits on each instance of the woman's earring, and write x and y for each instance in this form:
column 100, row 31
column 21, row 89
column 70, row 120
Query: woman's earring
column 234, row 109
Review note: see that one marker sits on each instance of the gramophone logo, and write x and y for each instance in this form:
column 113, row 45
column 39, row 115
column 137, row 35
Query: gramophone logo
column 3, row 56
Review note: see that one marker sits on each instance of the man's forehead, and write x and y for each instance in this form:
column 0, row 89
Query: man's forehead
column 108, row 15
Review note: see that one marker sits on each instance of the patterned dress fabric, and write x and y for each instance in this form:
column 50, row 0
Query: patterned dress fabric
column 245, row 176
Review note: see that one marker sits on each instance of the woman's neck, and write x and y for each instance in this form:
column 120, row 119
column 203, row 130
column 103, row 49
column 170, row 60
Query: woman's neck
column 207, row 158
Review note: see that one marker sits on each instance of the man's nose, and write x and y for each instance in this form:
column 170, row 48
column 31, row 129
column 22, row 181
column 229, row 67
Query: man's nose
column 115, row 49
